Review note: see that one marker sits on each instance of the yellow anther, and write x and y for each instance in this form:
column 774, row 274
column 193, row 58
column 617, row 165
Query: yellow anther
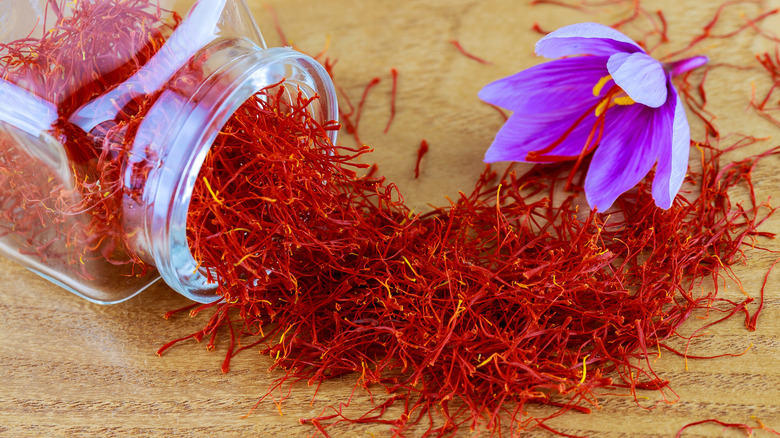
column 600, row 85
column 607, row 103
column 584, row 368
column 602, row 107
column 487, row 361
column 243, row 259
column 214, row 195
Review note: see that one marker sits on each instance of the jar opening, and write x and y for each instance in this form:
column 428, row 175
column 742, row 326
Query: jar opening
column 234, row 219
column 230, row 126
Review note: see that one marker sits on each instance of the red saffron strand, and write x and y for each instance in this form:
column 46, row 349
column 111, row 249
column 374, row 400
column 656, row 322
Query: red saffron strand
column 463, row 51
column 277, row 24
column 557, row 3
column 499, row 110
column 393, row 94
column 421, row 151
column 771, row 65
column 352, row 124
column 538, row 29
column 707, row 30
column 725, row 425
column 751, row 322
column 363, row 98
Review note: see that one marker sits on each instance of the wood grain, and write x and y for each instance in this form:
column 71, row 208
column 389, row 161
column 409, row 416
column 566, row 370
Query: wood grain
column 72, row 368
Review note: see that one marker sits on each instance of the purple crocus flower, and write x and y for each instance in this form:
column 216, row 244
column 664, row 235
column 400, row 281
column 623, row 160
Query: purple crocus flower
column 615, row 99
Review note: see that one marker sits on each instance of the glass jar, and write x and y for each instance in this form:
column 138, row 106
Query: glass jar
column 107, row 111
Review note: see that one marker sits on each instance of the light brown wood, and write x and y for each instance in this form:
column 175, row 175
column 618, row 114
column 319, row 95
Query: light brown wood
column 72, row 368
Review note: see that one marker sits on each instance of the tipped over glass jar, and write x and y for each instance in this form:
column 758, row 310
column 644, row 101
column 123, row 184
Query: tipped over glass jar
column 107, row 111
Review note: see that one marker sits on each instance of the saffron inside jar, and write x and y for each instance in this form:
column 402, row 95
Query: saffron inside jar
column 269, row 194
column 62, row 192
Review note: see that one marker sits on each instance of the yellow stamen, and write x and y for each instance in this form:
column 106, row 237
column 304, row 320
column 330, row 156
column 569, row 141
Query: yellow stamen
column 243, row 259
column 602, row 107
column 410, row 267
column 487, row 361
column 213, row 194
column 607, row 103
column 600, row 85
column 584, row 369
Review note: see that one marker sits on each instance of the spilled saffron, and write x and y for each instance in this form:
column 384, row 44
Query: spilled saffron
column 447, row 308
column 393, row 95
column 467, row 54
column 742, row 426
column 421, row 151
column 444, row 309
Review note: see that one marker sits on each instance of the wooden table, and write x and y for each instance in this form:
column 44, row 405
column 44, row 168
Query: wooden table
column 72, row 368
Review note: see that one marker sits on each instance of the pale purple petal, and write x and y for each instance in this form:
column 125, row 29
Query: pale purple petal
column 640, row 76
column 673, row 159
column 686, row 65
column 549, row 86
column 633, row 139
column 524, row 133
column 585, row 39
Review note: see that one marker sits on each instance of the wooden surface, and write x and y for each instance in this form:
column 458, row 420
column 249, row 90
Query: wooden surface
column 72, row 368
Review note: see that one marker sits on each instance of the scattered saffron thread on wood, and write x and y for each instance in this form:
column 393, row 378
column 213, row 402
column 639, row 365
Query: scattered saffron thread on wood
column 421, row 151
column 557, row 3
column 751, row 322
column 658, row 26
column 748, row 429
column 277, row 24
column 463, row 51
column 707, row 30
column 351, row 119
column 771, row 64
column 538, row 29
column 499, row 110
column 393, row 94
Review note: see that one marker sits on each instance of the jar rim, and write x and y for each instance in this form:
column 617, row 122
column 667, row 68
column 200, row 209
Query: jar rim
column 193, row 134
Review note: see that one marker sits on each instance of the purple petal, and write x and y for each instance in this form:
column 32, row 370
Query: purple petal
column 686, row 65
column 526, row 132
column 549, row 86
column 633, row 138
column 673, row 159
column 585, row 39
column 640, row 76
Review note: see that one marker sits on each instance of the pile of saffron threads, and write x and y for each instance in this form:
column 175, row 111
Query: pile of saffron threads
column 468, row 313
column 512, row 295
column 768, row 105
